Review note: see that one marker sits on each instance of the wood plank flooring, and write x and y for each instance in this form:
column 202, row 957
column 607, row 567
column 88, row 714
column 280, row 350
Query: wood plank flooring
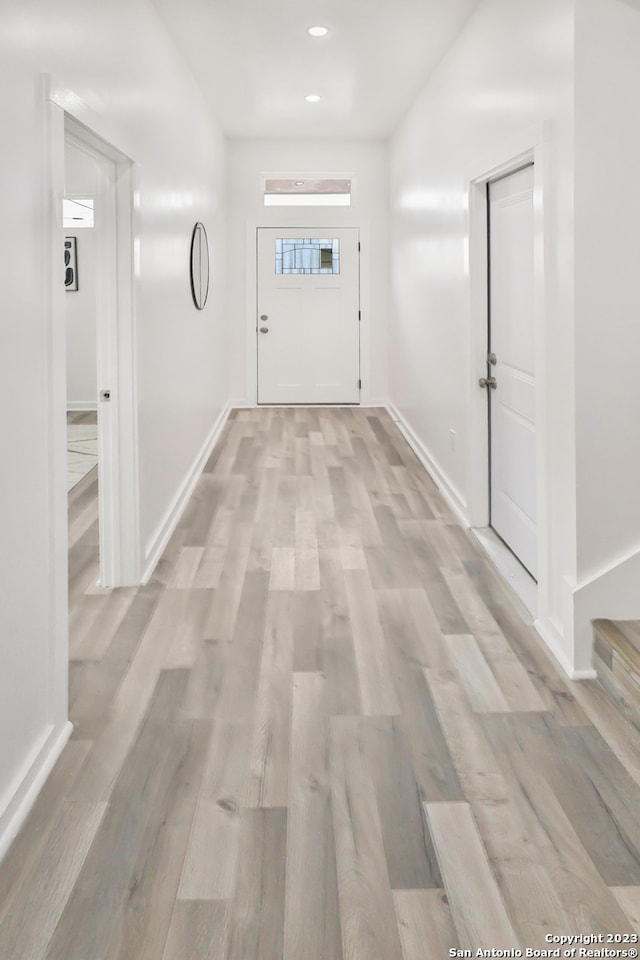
column 325, row 730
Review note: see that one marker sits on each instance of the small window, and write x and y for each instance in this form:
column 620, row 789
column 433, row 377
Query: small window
column 306, row 192
column 77, row 212
column 307, row 256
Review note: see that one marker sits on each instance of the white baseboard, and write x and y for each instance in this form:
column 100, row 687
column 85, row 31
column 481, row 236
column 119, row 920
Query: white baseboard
column 245, row 404
column 554, row 640
column 609, row 593
column 24, row 796
column 546, row 628
column 519, row 580
column 156, row 545
column 448, row 491
column 81, row 406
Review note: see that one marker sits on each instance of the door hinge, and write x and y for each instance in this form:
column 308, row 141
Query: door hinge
column 359, row 384
column 359, row 316
column 358, row 246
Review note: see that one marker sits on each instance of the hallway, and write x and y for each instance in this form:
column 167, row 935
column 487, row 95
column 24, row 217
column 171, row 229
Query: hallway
column 323, row 730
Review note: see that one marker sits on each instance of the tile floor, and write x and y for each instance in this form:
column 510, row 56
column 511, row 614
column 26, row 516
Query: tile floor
column 82, row 449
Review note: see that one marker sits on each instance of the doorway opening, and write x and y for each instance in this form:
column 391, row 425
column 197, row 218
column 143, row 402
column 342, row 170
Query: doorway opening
column 100, row 357
column 81, row 235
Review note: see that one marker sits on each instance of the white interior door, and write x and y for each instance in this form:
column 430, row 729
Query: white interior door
column 308, row 325
column 512, row 341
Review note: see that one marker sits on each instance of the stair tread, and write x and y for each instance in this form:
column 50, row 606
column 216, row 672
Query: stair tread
column 631, row 630
column 624, row 637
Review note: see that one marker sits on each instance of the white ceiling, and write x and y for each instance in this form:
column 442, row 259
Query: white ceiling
column 255, row 61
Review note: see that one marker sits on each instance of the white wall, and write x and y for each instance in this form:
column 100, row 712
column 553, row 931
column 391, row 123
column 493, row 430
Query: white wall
column 367, row 163
column 607, row 252
column 81, row 179
column 607, row 283
column 510, row 72
column 119, row 60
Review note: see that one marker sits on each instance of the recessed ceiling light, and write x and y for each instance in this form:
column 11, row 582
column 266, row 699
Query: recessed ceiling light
column 312, row 97
column 318, row 31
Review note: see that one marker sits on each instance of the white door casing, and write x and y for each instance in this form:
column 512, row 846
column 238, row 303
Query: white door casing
column 309, row 340
column 513, row 489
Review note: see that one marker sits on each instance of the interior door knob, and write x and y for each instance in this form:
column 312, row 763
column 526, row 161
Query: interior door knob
column 488, row 382
column 264, row 329
column 263, row 316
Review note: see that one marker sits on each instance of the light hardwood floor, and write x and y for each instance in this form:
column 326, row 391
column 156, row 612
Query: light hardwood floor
column 324, row 731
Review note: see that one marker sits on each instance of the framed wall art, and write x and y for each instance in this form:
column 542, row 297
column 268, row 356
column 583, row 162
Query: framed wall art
column 70, row 263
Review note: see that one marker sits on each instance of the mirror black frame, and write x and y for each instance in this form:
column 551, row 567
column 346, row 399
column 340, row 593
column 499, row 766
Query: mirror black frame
column 199, row 266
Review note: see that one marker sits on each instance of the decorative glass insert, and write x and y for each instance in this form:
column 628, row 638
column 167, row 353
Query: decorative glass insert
column 307, row 256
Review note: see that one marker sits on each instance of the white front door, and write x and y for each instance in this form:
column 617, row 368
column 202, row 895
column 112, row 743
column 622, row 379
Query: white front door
column 308, row 325
column 512, row 341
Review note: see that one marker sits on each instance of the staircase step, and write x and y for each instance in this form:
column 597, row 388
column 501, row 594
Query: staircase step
column 616, row 660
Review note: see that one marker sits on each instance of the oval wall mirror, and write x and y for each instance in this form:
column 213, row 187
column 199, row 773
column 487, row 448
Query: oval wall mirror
column 199, row 265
